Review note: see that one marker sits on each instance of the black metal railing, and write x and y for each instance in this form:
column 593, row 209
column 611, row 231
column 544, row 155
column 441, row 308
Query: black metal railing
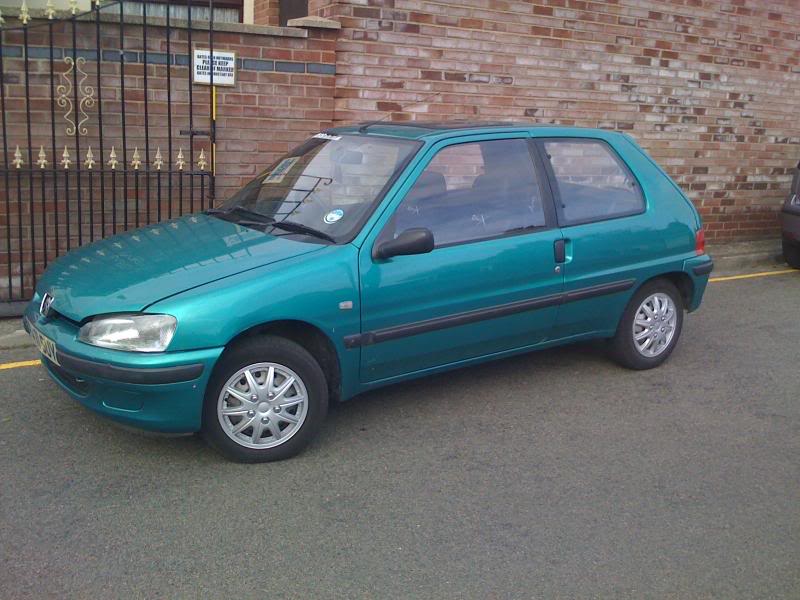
column 97, row 117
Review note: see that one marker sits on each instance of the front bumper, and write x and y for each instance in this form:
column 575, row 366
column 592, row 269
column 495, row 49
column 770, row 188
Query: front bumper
column 158, row 392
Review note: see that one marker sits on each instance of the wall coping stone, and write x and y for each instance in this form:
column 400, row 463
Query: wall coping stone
column 314, row 22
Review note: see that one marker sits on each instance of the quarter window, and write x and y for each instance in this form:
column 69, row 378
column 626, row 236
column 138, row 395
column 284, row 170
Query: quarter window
column 592, row 182
column 474, row 191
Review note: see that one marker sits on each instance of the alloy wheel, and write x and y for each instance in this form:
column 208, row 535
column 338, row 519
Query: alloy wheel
column 654, row 325
column 262, row 405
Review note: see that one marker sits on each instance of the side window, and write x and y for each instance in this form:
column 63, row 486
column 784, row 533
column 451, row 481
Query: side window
column 474, row 191
column 593, row 184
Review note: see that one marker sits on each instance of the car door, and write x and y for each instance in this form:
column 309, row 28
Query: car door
column 608, row 235
column 490, row 283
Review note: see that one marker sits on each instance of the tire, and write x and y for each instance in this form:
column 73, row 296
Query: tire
column 238, row 397
column 624, row 347
column 791, row 254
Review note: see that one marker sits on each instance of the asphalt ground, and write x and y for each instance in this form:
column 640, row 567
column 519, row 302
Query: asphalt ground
column 550, row 475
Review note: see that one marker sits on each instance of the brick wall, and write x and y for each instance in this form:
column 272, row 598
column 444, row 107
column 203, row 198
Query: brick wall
column 708, row 87
column 285, row 94
column 323, row 8
column 266, row 12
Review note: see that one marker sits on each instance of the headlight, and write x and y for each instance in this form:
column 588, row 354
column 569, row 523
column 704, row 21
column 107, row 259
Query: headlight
column 139, row 333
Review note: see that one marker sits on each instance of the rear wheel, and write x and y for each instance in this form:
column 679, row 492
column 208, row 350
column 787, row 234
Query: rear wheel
column 650, row 326
column 265, row 401
column 791, row 254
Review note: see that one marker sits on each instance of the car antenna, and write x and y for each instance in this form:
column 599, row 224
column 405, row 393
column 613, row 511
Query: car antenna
column 363, row 128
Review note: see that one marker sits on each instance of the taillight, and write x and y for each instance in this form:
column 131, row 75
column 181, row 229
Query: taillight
column 700, row 242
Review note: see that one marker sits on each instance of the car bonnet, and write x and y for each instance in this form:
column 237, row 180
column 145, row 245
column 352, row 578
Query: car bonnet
column 130, row 271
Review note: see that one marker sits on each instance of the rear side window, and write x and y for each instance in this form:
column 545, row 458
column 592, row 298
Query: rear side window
column 592, row 182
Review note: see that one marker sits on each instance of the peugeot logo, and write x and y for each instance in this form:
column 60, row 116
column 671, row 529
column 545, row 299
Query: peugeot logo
column 44, row 307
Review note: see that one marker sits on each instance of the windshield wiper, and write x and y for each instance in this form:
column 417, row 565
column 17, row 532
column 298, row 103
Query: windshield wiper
column 260, row 220
column 295, row 227
column 249, row 223
column 263, row 219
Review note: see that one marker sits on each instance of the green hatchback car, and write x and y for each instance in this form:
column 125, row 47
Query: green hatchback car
column 370, row 255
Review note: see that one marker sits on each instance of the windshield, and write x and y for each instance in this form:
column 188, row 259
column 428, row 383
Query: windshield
column 328, row 186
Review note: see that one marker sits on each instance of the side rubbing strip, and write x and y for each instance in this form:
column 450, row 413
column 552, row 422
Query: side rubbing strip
column 481, row 314
column 598, row 290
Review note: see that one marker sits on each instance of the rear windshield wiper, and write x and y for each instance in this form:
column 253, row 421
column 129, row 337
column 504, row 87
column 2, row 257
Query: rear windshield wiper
column 300, row 228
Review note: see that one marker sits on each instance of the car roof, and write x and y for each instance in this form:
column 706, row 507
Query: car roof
column 425, row 129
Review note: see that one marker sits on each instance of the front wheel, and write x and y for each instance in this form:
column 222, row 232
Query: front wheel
column 650, row 326
column 265, row 401
column 791, row 254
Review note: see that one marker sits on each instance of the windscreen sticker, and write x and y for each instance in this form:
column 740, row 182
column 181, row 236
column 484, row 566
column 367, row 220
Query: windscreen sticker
column 333, row 216
column 279, row 172
column 328, row 136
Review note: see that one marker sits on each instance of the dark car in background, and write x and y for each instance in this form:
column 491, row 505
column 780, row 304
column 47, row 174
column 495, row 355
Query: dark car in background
column 790, row 222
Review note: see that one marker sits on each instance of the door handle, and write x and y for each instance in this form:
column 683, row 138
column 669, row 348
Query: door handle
column 560, row 251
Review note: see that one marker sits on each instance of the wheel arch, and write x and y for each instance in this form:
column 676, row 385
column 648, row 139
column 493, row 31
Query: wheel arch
column 680, row 279
column 310, row 337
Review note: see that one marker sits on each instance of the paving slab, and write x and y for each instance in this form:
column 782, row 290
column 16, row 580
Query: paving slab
column 12, row 335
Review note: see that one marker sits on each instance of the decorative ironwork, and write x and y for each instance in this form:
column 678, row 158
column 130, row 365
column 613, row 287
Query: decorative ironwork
column 18, row 162
column 24, row 14
column 87, row 96
column 42, row 162
column 86, row 93
column 64, row 93
column 112, row 159
column 80, row 195
column 90, row 161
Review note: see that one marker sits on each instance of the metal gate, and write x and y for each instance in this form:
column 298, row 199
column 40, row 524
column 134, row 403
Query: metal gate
column 102, row 129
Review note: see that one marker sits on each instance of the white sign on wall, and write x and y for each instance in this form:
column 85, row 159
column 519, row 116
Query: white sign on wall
column 224, row 67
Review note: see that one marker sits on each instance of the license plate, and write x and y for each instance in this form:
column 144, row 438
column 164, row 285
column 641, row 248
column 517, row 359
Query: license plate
column 46, row 346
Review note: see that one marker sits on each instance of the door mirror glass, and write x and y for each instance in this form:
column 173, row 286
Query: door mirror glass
column 418, row 240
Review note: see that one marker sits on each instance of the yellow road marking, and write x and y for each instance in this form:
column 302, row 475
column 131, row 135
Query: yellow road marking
column 34, row 363
column 17, row 365
column 753, row 275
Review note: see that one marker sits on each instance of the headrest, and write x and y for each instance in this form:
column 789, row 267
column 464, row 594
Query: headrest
column 429, row 184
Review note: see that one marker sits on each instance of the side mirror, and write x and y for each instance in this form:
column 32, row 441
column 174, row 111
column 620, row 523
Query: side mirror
column 417, row 240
